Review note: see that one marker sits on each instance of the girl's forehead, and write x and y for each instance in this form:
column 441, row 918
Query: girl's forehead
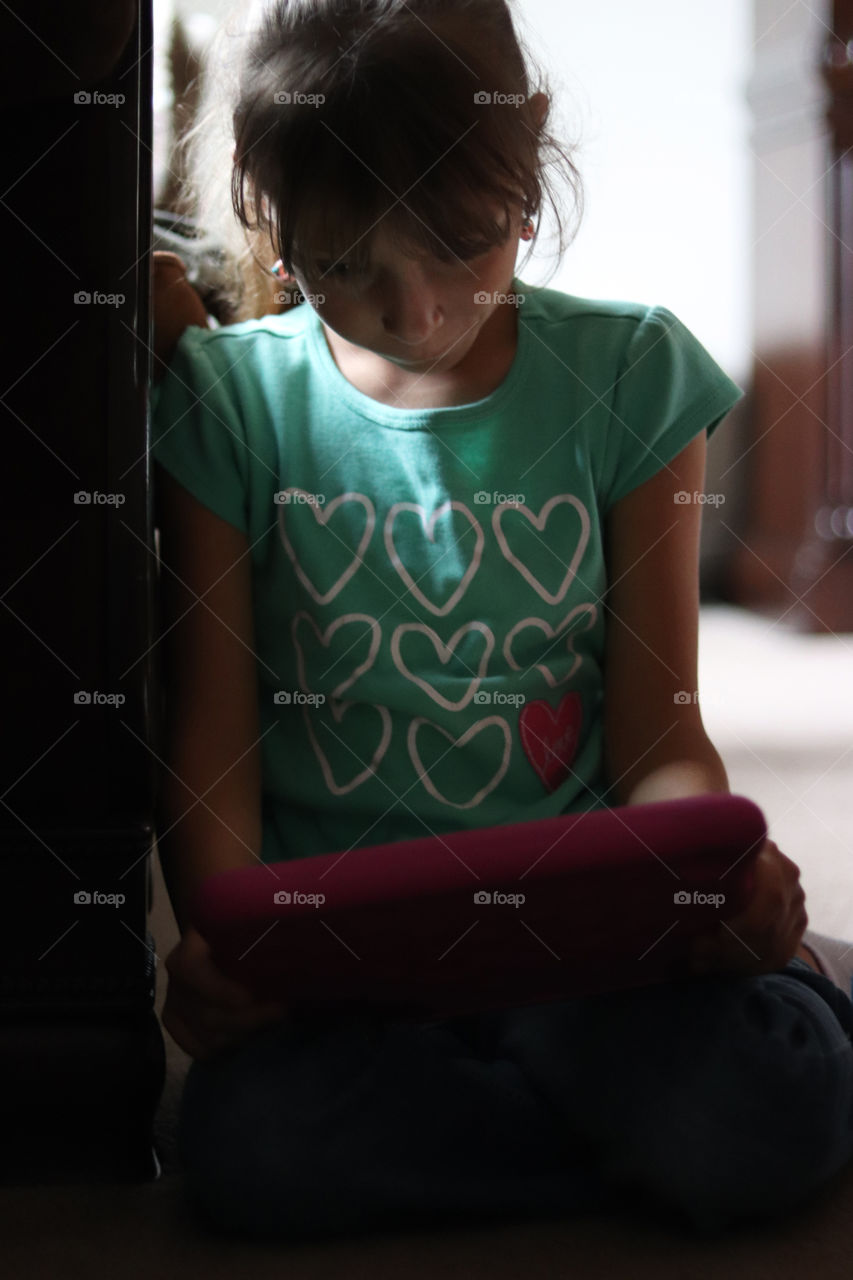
column 379, row 240
column 392, row 239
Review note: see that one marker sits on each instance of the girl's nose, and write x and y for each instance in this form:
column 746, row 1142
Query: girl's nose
column 411, row 310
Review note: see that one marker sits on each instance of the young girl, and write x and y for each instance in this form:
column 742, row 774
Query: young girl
column 429, row 548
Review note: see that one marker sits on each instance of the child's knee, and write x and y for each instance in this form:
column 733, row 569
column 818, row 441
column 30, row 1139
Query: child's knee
column 761, row 1131
column 225, row 1135
column 257, row 1126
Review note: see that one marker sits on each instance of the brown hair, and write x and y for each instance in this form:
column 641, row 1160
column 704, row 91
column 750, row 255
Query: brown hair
column 415, row 113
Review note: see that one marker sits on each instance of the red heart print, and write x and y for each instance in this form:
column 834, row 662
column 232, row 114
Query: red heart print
column 550, row 737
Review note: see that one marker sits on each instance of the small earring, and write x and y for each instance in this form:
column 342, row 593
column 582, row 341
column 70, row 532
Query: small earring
column 279, row 272
column 528, row 229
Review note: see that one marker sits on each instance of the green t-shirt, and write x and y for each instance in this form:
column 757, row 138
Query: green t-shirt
column 428, row 584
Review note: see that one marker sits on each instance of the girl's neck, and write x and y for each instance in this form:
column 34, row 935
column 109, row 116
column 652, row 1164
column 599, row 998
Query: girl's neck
column 478, row 375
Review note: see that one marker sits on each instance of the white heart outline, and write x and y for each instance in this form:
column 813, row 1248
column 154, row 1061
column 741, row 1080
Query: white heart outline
column 338, row 710
column 540, row 521
column 376, row 639
column 424, row 777
column 445, row 652
column 403, row 571
column 322, row 516
column 554, row 634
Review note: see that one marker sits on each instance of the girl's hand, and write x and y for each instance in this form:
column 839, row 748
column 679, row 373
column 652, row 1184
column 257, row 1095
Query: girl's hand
column 765, row 936
column 205, row 1011
column 175, row 305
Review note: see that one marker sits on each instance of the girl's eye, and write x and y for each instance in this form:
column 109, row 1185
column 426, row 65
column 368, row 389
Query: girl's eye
column 340, row 270
column 471, row 253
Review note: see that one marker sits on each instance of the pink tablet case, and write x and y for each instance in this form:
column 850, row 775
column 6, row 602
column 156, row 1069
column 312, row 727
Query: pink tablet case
column 611, row 899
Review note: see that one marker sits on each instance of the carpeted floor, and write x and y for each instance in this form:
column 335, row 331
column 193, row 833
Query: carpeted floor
column 779, row 708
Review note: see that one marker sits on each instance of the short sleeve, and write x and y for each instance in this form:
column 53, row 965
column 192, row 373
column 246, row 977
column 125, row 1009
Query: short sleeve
column 668, row 390
column 197, row 432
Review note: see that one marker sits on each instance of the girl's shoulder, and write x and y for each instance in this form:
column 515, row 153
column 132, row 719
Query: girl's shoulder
column 247, row 347
column 554, row 306
column 286, row 324
column 557, row 303
column 607, row 335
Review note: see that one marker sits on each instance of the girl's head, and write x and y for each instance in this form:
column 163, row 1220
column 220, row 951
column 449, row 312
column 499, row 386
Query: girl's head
column 367, row 132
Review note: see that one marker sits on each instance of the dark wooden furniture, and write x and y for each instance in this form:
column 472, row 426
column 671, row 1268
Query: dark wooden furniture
column 793, row 557
column 82, row 1060
column 823, row 570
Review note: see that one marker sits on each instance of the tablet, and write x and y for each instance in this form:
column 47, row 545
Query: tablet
column 489, row 918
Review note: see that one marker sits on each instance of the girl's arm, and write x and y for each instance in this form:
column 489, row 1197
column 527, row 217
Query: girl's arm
column 209, row 672
column 656, row 747
column 655, row 744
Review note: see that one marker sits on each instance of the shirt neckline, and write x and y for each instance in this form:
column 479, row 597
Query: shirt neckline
column 409, row 419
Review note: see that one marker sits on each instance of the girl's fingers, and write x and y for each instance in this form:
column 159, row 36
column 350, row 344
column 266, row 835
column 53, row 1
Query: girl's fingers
column 167, row 264
column 192, row 965
column 182, row 1035
column 201, row 1037
column 205, row 1010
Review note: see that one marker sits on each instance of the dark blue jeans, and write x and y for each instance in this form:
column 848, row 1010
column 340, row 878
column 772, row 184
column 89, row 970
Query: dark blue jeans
column 721, row 1099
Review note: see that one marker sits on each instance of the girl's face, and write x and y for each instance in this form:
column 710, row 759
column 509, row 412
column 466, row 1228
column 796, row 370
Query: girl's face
column 420, row 314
